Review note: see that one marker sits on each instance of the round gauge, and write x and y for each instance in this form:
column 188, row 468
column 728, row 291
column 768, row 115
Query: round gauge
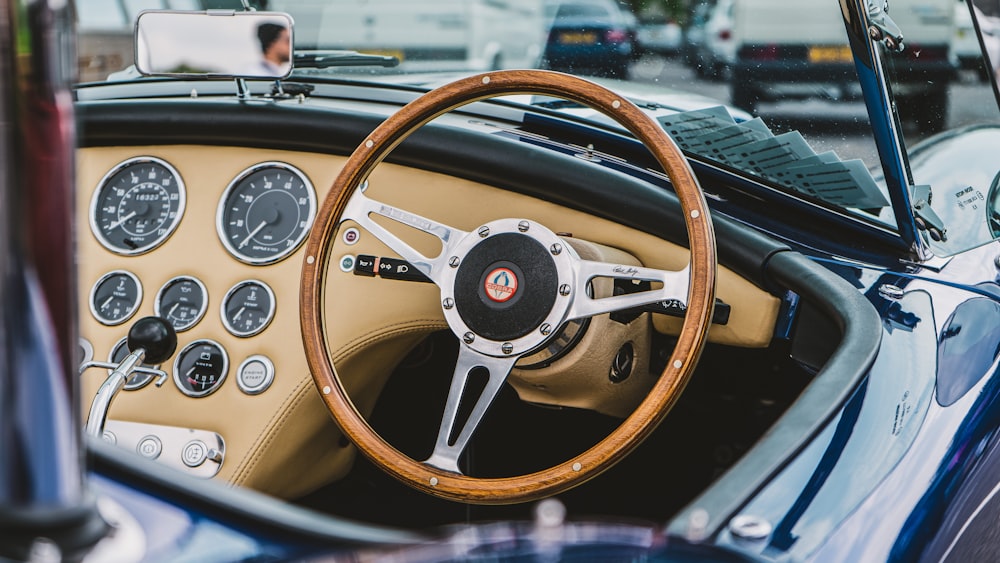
column 139, row 380
column 182, row 301
column 248, row 308
column 265, row 213
column 200, row 368
column 115, row 297
column 137, row 205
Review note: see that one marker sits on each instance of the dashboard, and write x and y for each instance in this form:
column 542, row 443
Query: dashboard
column 209, row 237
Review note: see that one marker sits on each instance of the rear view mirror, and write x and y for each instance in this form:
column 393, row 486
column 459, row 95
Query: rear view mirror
column 214, row 44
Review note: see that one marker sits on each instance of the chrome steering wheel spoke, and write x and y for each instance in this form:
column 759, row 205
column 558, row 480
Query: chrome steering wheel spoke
column 675, row 287
column 454, row 434
column 360, row 209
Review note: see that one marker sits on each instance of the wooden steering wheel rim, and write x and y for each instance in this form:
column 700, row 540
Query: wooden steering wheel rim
column 650, row 412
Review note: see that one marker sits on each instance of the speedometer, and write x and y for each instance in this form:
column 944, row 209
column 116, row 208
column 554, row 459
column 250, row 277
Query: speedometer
column 137, row 205
column 266, row 212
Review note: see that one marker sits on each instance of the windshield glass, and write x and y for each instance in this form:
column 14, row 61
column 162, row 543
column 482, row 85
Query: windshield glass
column 730, row 80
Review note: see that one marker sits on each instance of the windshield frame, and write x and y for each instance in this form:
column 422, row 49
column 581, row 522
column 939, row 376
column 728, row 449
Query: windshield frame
column 884, row 122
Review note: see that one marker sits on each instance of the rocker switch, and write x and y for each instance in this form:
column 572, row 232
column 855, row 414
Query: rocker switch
column 365, row 265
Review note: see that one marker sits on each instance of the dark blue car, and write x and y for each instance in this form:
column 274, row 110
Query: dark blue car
column 263, row 302
column 590, row 37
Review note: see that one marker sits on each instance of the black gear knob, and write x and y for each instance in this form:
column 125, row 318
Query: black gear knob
column 154, row 335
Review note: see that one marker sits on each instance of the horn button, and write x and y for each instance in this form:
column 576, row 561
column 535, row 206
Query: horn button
column 506, row 286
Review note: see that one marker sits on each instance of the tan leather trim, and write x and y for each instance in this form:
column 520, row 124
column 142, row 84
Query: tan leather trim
column 283, row 441
column 581, row 378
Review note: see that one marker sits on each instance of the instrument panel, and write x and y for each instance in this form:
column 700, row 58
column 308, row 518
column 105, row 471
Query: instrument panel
column 239, row 369
column 231, row 287
column 263, row 214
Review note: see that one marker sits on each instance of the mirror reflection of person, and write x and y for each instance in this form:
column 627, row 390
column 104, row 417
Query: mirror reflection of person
column 276, row 50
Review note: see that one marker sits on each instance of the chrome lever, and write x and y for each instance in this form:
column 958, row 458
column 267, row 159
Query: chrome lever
column 161, row 376
column 151, row 339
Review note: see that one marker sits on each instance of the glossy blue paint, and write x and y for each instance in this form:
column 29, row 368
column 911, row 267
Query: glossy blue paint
column 169, row 531
column 36, row 471
column 938, row 521
column 968, row 346
column 841, row 467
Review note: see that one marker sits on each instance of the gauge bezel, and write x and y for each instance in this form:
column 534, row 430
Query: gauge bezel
column 201, row 311
column 220, row 226
column 87, row 350
column 139, row 379
column 185, row 350
column 102, row 279
column 270, row 312
column 95, row 229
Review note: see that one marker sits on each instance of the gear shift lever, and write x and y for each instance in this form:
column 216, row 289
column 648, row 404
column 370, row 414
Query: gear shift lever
column 151, row 340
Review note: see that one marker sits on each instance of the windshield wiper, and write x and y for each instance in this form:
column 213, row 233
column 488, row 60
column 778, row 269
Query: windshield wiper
column 328, row 59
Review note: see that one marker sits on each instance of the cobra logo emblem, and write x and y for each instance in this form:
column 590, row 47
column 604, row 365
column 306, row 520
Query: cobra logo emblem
column 500, row 285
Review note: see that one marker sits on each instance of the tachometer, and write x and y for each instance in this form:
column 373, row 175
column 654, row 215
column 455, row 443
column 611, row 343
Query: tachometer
column 266, row 212
column 137, row 205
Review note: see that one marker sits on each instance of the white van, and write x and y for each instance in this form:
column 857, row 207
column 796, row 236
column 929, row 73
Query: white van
column 822, row 64
column 465, row 34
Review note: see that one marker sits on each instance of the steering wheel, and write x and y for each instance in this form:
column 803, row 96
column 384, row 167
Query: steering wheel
column 506, row 288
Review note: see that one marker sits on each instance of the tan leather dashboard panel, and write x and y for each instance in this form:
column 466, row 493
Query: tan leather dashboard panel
column 283, row 441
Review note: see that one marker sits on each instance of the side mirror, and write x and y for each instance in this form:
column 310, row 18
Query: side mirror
column 214, row 44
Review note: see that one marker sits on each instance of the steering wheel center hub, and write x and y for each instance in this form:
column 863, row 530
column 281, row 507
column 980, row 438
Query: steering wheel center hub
column 505, row 287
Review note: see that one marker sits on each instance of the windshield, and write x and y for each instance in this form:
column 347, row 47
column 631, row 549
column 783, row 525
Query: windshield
column 730, row 80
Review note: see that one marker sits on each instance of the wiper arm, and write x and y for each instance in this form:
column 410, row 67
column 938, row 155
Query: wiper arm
column 327, row 59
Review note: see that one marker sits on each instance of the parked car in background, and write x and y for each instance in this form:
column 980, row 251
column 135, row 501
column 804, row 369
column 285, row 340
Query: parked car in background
column 694, row 32
column 590, row 37
column 965, row 51
column 811, row 60
column 370, row 313
column 659, row 36
column 718, row 48
column 987, row 15
column 437, row 35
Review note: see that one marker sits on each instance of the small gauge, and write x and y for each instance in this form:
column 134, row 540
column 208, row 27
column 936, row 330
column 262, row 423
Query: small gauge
column 118, row 353
column 200, row 368
column 182, row 301
column 248, row 308
column 266, row 212
column 115, row 297
column 137, row 205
